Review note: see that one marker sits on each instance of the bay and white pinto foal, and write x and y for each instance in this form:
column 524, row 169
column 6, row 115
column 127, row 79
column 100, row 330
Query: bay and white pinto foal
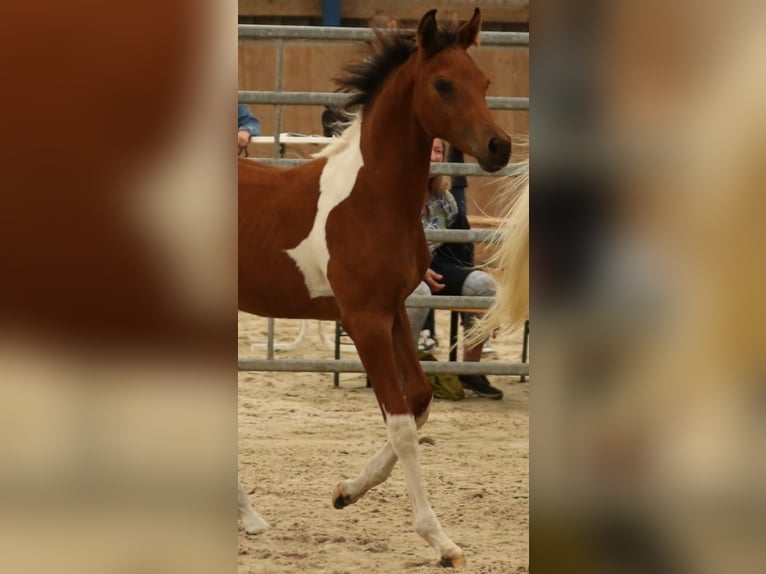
column 340, row 238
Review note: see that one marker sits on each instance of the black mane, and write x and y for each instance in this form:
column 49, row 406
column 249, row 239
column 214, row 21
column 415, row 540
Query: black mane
column 386, row 52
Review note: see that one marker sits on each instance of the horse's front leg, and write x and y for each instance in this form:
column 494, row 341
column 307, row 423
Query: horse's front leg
column 374, row 338
column 417, row 390
column 376, row 472
column 251, row 520
column 418, row 393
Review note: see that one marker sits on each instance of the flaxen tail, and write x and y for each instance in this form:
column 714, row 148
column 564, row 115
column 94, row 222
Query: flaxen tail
column 510, row 262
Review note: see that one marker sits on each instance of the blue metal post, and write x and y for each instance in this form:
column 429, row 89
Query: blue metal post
column 331, row 12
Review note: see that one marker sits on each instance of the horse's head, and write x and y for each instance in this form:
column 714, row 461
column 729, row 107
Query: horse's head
column 450, row 93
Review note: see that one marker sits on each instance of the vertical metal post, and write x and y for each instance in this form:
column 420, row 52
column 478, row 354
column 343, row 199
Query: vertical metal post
column 453, row 335
column 330, row 12
column 277, row 152
column 336, row 376
column 525, row 347
column 270, row 343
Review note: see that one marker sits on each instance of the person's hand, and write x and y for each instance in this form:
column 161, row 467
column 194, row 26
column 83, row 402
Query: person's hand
column 243, row 138
column 433, row 279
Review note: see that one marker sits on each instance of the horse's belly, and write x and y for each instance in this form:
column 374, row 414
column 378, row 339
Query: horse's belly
column 323, row 309
column 274, row 286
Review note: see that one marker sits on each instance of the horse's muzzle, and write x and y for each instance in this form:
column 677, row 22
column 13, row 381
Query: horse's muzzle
column 497, row 154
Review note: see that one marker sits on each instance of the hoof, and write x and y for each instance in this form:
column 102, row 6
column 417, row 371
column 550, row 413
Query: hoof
column 255, row 526
column 457, row 561
column 339, row 500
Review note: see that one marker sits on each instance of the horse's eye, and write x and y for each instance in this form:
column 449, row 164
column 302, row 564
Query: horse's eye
column 443, row 86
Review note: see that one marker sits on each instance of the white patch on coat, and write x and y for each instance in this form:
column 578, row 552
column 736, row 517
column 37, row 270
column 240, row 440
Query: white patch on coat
column 335, row 184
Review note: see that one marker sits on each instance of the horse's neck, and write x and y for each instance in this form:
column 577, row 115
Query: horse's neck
column 394, row 137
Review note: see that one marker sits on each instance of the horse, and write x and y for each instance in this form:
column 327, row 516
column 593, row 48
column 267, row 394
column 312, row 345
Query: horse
column 510, row 262
column 340, row 238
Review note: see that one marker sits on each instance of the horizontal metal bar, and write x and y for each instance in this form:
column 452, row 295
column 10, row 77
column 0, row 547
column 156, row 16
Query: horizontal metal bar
column 292, row 98
column 474, row 169
column 436, row 168
column 257, row 31
column 507, row 103
column 288, row 138
column 354, row 366
column 519, row 39
column 339, row 99
column 460, row 235
column 448, row 302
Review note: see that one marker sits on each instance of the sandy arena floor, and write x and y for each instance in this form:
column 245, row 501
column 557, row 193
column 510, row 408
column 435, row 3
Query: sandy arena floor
column 298, row 436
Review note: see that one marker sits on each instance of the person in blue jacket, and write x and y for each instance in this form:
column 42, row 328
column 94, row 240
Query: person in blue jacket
column 247, row 126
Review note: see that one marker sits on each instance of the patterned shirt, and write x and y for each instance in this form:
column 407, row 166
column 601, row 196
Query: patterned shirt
column 439, row 212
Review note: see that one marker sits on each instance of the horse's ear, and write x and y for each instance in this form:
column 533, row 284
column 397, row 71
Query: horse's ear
column 468, row 34
column 427, row 29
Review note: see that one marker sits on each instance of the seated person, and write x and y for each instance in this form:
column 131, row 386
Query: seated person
column 448, row 276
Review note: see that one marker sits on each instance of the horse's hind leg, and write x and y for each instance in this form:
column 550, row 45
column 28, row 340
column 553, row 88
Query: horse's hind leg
column 251, row 520
column 374, row 341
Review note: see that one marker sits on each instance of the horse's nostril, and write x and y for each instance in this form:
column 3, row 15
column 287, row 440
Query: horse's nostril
column 500, row 147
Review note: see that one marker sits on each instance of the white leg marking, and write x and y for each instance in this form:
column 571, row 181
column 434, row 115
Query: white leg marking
column 403, row 436
column 251, row 520
column 335, row 184
column 377, row 470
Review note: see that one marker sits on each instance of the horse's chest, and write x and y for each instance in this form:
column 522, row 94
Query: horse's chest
column 336, row 183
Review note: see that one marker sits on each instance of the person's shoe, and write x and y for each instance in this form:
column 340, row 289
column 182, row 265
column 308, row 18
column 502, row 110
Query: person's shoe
column 426, row 342
column 488, row 349
column 479, row 384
